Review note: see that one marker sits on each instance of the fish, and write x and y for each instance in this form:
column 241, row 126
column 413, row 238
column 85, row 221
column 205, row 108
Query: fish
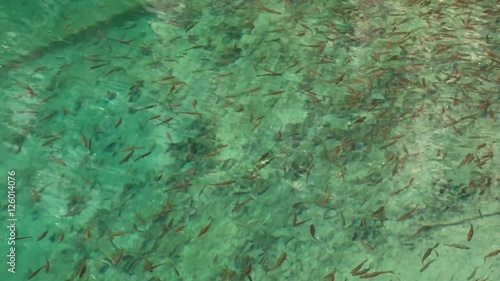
column 42, row 235
column 312, row 230
column 154, row 117
column 492, row 254
column 52, row 140
column 470, row 233
column 473, row 273
column 224, row 183
column 422, row 229
column 357, row 268
column 238, row 205
column 113, row 70
column 149, row 267
column 22, row 238
column 99, row 65
column 374, row 274
column 166, row 121
column 35, row 195
column 295, row 223
column 47, row 265
column 116, row 234
column 366, row 245
column 58, row 161
column 357, row 121
column 82, row 269
column 118, row 258
column 61, row 238
column 428, row 252
column 426, row 265
column 84, row 141
column 88, row 233
column 144, row 155
column 126, row 158
column 34, row 273
column 280, row 260
column 247, row 271
column 119, row 123
column 331, row 275
column 407, row 214
column 274, row 93
column 458, row 246
column 205, row 229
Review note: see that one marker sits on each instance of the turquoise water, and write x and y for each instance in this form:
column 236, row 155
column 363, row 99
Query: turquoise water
column 245, row 140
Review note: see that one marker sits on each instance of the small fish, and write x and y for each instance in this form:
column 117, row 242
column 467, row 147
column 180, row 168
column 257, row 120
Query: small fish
column 149, row 267
column 422, row 229
column 147, row 107
column 35, row 273
column 274, row 93
column 374, row 274
column 331, row 275
column 426, row 265
column 47, row 265
column 312, row 230
column 261, row 7
column 144, row 155
column 492, row 254
column 295, row 223
column 99, row 65
column 42, row 235
column 263, row 157
column 358, row 121
column 176, row 271
column 247, row 271
column 473, row 273
column 118, row 258
column 179, row 229
column 84, row 141
column 82, row 269
column 190, row 26
column 471, row 233
column 280, row 260
column 58, row 161
column 251, row 91
column 61, row 238
column 119, row 123
column 35, row 195
column 238, row 205
column 131, row 148
column 406, row 215
column 126, row 158
column 257, row 124
column 357, row 268
column 366, row 245
column 224, row 183
column 165, row 78
column 363, row 271
column 458, row 246
column 50, row 141
column 112, row 70
column 116, row 234
column 22, row 238
column 428, row 252
column 166, row 121
column 205, row 229
column 279, row 135
column 88, row 233
column 180, row 186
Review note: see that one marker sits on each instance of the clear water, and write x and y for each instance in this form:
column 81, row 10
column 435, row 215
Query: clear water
column 245, row 140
